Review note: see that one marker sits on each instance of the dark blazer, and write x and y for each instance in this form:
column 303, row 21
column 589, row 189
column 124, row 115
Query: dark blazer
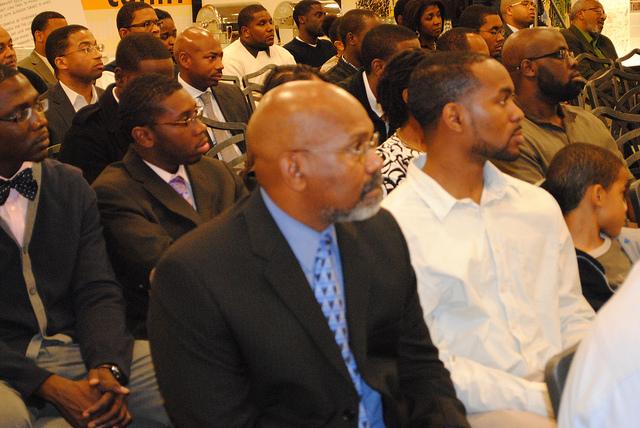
column 507, row 31
column 232, row 103
column 238, row 337
column 95, row 139
column 142, row 216
column 341, row 71
column 60, row 113
column 355, row 86
column 73, row 276
column 34, row 63
column 579, row 45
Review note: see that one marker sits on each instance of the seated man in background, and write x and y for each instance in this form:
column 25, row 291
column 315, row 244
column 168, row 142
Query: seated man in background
column 95, row 139
column 76, row 58
column 168, row 31
column 255, row 48
column 497, row 273
column 486, row 22
column 163, row 187
column 41, row 26
column 306, row 47
column 462, row 39
column 333, row 32
column 585, row 34
column 199, row 57
column 604, row 379
column 64, row 348
column 517, row 15
column 379, row 44
column 8, row 57
column 354, row 25
column 545, row 75
column 590, row 184
column 252, row 307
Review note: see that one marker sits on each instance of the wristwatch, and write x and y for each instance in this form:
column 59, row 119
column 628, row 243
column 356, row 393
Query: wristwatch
column 115, row 372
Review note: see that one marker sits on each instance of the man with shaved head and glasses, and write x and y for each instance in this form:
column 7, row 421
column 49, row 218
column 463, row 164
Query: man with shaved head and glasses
column 65, row 354
column 546, row 75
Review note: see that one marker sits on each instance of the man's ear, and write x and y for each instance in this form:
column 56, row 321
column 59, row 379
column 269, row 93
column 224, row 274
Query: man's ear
column 377, row 67
column 184, row 59
column 38, row 36
column 405, row 95
column 123, row 32
column 143, row 137
column 596, row 193
column 244, row 32
column 291, row 169
column 453, row 116
column 61, row 63
column 527, row 68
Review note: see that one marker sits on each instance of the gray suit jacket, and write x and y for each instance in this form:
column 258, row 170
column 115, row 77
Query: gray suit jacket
column 60, row 113
column 232, row 103
column 34, row 63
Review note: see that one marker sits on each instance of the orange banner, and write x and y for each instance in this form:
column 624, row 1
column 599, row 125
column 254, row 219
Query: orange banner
column 115, row 4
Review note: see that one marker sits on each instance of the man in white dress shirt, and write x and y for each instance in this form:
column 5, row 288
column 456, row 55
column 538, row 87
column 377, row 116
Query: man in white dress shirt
column 497, row 273
column 76, row 58
column 199, row 57
column 254, row 49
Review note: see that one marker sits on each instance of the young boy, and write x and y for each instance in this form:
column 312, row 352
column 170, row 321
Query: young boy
column 590, row 185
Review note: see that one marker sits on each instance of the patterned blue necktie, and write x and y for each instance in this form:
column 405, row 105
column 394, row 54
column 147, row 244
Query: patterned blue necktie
column 23, row 183
column 329, row 296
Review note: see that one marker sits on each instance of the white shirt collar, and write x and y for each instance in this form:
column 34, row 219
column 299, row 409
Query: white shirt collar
column 77, row 100
column 496, row 186
column 309, row 44
column 167, row 176
column 194, row 92
column 46, row 61
column 373, row 102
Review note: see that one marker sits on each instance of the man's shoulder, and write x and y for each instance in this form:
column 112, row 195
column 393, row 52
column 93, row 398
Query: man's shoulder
column 115, row 177
column 62, row 176
column 29, row 61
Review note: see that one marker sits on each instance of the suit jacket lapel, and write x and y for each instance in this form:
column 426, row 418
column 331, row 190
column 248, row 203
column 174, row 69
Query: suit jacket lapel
column 62, row 104
column 223, row 104
column 158, row 188
column 203, row 195
column 356, row 288
column 283, row 272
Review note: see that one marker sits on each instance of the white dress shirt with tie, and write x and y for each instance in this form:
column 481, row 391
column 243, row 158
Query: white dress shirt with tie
column 498, row 283
column 14, row 210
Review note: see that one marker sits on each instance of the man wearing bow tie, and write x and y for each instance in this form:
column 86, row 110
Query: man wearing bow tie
column 64, row 349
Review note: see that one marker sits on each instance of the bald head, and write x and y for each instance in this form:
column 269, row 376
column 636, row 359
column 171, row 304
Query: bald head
column 199, row 55
column 530, row 43
column 310, row 141
column 8, row 54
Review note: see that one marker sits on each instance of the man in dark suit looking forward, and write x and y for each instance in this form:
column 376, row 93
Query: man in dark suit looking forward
column 162, row 189
column 298, row 307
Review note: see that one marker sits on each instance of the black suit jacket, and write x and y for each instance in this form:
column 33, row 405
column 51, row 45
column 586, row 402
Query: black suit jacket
column 95, row 139
column 60, row 113
column 73, row 276
column 579, row 45
column 355, row 86
column 142, row 216
column 238, row 337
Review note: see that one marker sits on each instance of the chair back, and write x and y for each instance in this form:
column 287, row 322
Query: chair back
column 253, row 87
column 625, row 129
column 555, row 375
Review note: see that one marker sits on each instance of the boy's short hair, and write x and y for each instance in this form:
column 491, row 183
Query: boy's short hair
column 576, row 167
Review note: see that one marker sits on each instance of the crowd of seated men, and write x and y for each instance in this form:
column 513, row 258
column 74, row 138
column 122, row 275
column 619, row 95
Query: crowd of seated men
column 413, row 224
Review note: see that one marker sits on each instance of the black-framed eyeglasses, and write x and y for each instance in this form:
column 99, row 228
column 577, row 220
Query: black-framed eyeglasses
column 148, row 24
column 88, row 50
column 561, row 53
column 25, row 113
column 195, row 115
column 358, row 150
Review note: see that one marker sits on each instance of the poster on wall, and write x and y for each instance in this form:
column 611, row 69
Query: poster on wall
column 17, row 15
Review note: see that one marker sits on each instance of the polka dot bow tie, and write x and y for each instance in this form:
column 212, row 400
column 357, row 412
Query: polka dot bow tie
column 23, row 183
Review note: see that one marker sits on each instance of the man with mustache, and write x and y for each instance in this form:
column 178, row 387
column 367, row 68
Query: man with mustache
column 298, row 307
column 585, row 34
column 497, row 272
column 545, row 75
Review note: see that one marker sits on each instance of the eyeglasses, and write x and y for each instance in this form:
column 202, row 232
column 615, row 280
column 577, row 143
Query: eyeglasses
column 25, row 113
column 195, row 115
column 561, row 53
column 494, row 32
column 598, row 10
column 147, row 25
column 525, row 3
column 88, row 50
column 358, row 150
